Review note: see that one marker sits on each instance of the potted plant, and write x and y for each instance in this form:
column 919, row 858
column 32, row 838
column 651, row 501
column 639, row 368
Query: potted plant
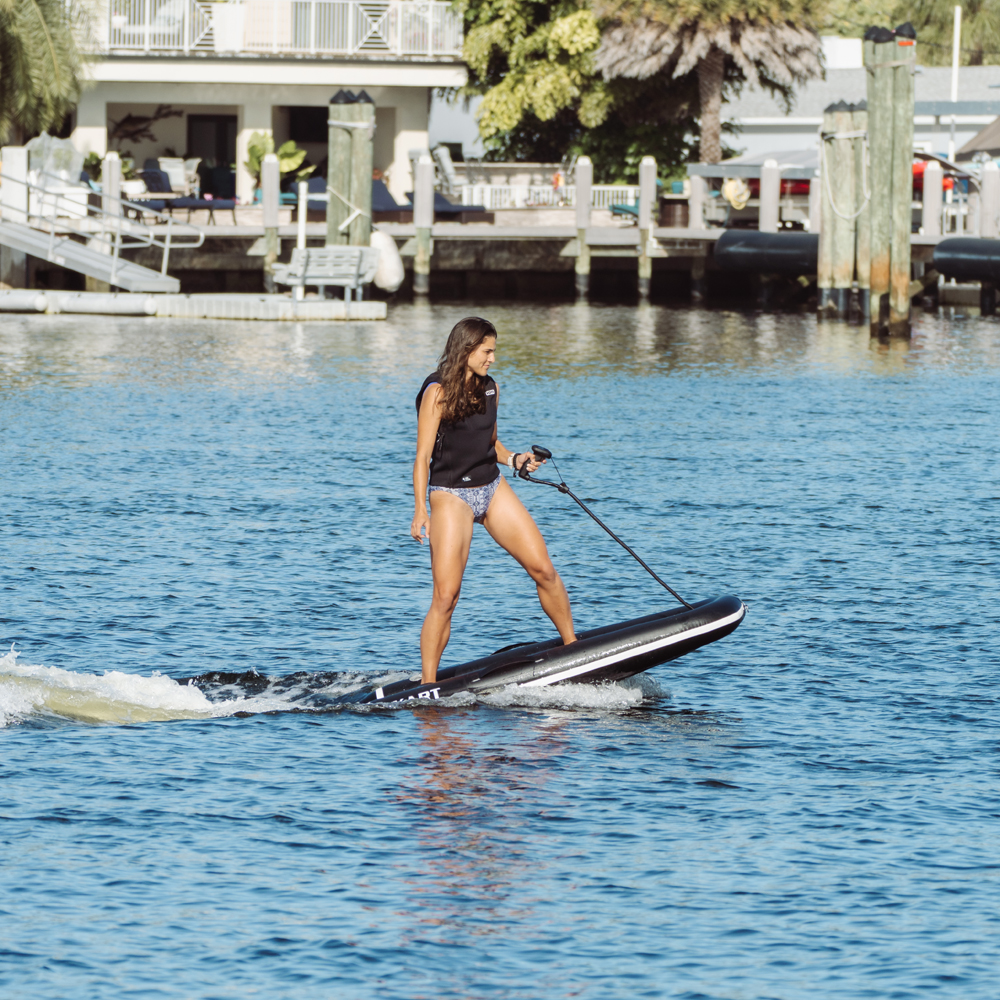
column 289, row 155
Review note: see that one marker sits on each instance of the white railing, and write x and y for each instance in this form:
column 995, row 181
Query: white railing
column 497, row 196
column 284, row 27
column 62, row 211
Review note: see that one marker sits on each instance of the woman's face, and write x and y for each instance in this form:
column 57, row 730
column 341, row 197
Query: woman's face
column 483, row 356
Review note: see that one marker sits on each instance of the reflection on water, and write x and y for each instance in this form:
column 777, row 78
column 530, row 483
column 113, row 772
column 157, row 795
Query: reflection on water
column 568, row 340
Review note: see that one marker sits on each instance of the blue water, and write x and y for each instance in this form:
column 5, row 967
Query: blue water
column 808, row 808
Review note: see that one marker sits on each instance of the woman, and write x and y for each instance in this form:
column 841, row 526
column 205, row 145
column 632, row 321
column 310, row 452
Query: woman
column 457, row 451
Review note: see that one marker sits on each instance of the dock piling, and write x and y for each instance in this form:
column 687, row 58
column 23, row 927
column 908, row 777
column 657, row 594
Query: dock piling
column 862, row 200
column 338, row 172
column 904, row 61
column 647, row 199
column 362, row 162
column 14, row 208
column 697, row 194
column 111, row 182
column 584, row 186
column 423, row 218
column 815, row 202
column 770, row 197
column 933, row 199
column 989, row 199
column 301, row 216
column 879, row 51
column 824, row 264
column 270, row 185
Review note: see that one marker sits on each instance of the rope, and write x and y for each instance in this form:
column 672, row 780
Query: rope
column 864, row 178
column 355, row 211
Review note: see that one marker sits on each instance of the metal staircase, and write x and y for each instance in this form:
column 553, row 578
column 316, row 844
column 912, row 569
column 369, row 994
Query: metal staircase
column 55, row 226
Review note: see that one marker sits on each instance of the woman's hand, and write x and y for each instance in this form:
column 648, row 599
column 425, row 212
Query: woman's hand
column 523, row 458
column 420, row 527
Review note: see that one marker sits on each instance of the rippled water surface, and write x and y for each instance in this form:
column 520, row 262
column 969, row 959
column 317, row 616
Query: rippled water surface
column 806, row 809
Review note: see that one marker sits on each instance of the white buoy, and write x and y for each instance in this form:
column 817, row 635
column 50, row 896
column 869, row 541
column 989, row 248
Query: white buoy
column 390, row 273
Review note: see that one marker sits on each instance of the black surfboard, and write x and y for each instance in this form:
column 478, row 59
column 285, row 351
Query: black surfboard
column 611, row 653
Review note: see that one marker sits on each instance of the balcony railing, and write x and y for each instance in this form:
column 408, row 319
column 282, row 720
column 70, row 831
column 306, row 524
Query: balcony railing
column 411, row 28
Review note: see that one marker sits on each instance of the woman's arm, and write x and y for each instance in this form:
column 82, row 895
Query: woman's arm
column 428, row 422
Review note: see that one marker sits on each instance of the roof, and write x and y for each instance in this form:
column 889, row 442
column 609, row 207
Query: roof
column 978, row 90
column 987, row 141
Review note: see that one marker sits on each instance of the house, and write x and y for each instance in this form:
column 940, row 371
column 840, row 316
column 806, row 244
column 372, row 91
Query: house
column 763, row 125
column 196, row 78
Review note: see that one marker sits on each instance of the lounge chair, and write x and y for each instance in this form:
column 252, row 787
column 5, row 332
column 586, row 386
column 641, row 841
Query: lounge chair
column 158, row 182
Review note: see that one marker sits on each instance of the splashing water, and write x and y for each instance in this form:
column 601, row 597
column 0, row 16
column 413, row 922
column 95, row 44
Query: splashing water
column 116, row 698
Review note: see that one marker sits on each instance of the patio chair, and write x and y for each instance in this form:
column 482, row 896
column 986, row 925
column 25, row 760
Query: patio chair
column 158, row 181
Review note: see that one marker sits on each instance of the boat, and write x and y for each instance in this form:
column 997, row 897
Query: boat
column 606, row 654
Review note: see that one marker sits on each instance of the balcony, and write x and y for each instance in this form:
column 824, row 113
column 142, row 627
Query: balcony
column 409, row 29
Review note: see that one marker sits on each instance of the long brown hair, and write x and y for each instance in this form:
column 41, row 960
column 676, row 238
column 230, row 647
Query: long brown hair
column 461, row 398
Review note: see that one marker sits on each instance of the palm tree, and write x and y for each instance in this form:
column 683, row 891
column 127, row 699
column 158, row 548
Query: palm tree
column 40, row 61
column 773, row 44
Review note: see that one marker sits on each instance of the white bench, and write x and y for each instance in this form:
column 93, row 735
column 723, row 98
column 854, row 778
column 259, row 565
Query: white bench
column 348, row 267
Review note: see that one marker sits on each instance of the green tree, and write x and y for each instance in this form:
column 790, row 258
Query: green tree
column 40, row 61
column 770, row 43
column 935, row 24
column 290, row 156
column 544, row 98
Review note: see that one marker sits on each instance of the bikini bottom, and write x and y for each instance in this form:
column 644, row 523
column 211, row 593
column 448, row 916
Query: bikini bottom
column 477, row 497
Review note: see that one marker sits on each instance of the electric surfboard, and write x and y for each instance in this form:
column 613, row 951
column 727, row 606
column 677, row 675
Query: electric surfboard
column 611, row 653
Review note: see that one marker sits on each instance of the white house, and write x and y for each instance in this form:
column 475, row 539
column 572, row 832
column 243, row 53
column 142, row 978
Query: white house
column 233, row 67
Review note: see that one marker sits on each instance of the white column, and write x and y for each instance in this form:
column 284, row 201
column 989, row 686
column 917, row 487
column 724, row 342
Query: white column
column 931, row 212
column 647, row 191
column 412, row 113
column 423, row 193
column 989, row 200
column 254, row 116
column 770, row 197
column 584, row 189
column 91, row 132
column 111, row 182
column 696, row 202
column 815, row 202
column 270, row 182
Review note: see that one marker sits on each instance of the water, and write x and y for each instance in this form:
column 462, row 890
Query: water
column 807, row 808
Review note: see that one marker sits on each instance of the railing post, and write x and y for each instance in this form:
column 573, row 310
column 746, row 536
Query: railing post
column 270, row 181
column 312, row 43
column 148, row 4
column 989, row 199
column 770, row 197
column 423, row 218
column 350, row 29
column 186, row 27
column 274, row 24
column 647, row 202
column 399, row 15
column 584, row 183
column 430, row 29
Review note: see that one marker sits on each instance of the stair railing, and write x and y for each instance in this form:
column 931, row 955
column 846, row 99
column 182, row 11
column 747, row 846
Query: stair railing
column 109, row 227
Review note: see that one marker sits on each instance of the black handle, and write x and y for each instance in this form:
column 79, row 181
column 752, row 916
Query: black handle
column 541, row 452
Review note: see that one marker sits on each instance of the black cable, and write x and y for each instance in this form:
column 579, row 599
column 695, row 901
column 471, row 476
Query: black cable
column 563, row 488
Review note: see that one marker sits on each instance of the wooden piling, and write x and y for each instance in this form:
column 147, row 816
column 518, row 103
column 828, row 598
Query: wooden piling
column 902, row 179
column 342, row 117
column 824, row 265
column 840, row 189
column 647, row 199
column 862, row 199
column 362, row 161
column 584, row 187
column 879, row 51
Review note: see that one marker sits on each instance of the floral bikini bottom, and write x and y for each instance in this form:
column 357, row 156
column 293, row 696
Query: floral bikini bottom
column 477, row 497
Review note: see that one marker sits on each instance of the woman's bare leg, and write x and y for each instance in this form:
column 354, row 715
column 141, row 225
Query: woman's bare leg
column 450, row 538
column 512, row 528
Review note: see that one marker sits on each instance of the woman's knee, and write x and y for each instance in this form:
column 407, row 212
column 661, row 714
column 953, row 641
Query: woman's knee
column 544, row 574
column 445, row 598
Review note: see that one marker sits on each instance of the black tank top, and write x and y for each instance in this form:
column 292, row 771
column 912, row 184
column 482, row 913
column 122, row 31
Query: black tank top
column 464, row 455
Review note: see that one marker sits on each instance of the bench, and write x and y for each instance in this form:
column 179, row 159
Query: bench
column 348, row 267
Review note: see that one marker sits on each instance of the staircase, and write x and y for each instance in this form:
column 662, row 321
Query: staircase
column 60, row 223
column 79, row 257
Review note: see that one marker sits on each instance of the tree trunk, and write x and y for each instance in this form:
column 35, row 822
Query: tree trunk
column 711, row 71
